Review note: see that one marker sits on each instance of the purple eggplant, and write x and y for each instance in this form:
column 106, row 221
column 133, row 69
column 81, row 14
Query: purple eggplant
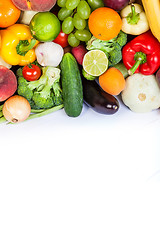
column 98, row 100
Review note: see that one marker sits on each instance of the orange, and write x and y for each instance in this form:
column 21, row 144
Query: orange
column 9, row 13
column 112, row 81
column 104, row 23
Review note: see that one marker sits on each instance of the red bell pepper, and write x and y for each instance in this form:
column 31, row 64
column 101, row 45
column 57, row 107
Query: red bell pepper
column 142, row 54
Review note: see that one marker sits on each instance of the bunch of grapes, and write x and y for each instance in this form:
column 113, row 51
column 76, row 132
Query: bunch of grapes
column 74, row 16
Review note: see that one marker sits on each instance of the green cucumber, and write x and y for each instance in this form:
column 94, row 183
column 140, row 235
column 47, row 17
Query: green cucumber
column 71, row 85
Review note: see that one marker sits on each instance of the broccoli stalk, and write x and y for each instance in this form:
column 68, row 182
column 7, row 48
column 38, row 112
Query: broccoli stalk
column 43, row 93
column 45, row 98
column 112, row 48
column 57, row 98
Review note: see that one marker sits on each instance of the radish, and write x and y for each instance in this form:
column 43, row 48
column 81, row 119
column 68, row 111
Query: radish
column 79, row 52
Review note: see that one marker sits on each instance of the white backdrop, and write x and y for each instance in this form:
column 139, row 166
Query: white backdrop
column 90, row 177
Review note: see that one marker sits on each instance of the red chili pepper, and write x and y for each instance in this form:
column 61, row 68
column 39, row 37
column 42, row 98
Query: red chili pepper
column 142, row 54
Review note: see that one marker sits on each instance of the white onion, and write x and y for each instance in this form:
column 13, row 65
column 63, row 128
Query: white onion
column 49, row 54
column 16, row 109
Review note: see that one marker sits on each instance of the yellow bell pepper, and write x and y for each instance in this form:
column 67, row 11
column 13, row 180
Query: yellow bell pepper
column 17, row 45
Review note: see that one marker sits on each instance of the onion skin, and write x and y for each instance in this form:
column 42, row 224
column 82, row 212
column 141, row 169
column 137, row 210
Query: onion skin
column 16, row 109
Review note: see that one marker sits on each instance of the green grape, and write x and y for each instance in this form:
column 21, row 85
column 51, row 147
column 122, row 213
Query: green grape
column 87, row 27
column 79, row 22
column 83, row 9
column 64, row 13
column 61, row 3
column 72, row 40
column 83, row 35
column 67, row 25
column 94, row 4
column 72, row 4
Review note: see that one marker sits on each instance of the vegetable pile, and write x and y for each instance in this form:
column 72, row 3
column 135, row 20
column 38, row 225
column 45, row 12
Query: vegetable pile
column 63, row 54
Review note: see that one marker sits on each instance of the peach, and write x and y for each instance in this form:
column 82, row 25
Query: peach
column 34, row 5
column 8, row 83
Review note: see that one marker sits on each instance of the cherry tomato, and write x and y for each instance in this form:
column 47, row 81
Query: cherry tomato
column 62, row 39
column 31, row 72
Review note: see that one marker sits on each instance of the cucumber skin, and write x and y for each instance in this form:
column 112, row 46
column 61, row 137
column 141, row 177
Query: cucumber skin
column 71, row 85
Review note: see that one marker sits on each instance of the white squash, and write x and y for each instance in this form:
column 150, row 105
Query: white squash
column 141, row 93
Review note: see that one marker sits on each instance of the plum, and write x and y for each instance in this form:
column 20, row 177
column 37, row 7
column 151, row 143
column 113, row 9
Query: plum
column 117, row 5
column 34, row 5
column 8, row 83
column 79, row 52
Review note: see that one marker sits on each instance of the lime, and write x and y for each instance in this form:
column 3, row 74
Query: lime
column 95, row 62
column 45, row 26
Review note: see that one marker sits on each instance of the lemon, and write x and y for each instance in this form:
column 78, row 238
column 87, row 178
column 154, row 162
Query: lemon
column 95, row 62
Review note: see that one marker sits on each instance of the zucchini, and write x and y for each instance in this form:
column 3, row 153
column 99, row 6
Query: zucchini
column 71, row 85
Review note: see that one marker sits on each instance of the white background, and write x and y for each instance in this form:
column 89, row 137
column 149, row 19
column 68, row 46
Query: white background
column 85, row 178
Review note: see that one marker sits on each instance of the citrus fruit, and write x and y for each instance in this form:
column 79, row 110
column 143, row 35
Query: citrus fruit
column 112, row 81
column 9, row 13
column 45, row 26
column 104, row 23
column 95, row 62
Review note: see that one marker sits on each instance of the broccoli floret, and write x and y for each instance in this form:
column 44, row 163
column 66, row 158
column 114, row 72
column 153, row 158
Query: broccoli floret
column 23, row 89
column 115, row 55
column 42, row 93
column 112, row 48
column 43, row 99
column 121, row 38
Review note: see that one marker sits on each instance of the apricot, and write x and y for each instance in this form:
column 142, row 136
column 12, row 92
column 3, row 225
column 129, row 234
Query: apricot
column 8, row 83
column 34, row 5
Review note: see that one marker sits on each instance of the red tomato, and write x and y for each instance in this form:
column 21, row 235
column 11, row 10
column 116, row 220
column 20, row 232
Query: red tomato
column 62, row 39
column 31, row 72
